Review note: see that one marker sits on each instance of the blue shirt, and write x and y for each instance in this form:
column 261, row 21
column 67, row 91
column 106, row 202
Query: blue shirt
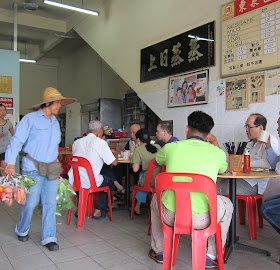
column 171, row 140
column 40, row 137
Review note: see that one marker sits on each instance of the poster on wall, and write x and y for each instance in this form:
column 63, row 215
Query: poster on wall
column 5, row 84
column 188, row 89
column 192, row 50
column 237, row 93
column 273, row 82
column 250, row 31
column 257, row 88
column 7, row 102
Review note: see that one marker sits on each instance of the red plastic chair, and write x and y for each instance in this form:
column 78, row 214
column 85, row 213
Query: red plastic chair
column 183, row 218
column 85, row 195
column 251, row 202
column 146, row 188
column 64, row 167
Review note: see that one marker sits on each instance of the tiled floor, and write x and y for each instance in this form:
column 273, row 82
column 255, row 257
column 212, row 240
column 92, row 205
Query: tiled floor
column 119, row 245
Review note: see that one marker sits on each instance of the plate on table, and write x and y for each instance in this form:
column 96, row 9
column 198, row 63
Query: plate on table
column 259, row 170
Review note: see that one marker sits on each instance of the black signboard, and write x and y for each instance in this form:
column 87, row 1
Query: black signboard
column 191, row 50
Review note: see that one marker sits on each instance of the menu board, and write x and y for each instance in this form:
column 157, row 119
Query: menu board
column 250, row 36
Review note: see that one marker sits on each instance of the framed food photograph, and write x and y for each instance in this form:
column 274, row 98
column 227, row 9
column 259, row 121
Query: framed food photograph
column 188, row 89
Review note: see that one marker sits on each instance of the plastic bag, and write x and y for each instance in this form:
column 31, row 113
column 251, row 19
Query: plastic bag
column 63, row 198
column 20, row 187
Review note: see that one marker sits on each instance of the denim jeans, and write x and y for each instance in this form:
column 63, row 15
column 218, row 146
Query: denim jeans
column 271, row 211
column 46, row 190
column 103, row 197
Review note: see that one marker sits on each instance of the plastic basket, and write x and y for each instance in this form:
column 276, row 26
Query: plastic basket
column 235, row 163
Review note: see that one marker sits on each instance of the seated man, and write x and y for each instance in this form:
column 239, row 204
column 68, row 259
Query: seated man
column 164, row 133
column 194, row 155
column 97, row 152
column 258, row 152
column 130, row 145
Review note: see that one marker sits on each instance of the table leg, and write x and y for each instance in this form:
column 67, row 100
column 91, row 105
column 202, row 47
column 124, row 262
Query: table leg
column 127, row 178
column 232, row 227
column 233, row 239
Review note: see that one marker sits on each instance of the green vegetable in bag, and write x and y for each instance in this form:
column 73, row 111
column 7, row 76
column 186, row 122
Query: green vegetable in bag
column 63, row 198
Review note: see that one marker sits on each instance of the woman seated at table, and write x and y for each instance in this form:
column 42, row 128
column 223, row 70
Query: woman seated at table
column 142, row 155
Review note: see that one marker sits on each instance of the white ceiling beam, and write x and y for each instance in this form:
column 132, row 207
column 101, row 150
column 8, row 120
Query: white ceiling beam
column 34, row 21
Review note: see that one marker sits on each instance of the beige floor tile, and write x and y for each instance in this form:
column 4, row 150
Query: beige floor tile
column 113, row 258
column 30, row 262
column 129, row 266
column 79, row 264
column 2, row 255
column 97, row 248
column 65, row 254
column 27, row 249
column 6, row 265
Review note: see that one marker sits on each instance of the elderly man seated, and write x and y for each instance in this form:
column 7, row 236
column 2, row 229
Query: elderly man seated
column 259, row 153
column 97, row 152
column 194, row 155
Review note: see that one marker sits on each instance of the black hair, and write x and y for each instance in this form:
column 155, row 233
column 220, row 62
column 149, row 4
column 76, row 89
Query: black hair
column 167, row 126
column 2, row 105
column 44, row 105
column 260, row 120
column 200, row 122
column 179, row 88
column 184, row 82
column 144, row 136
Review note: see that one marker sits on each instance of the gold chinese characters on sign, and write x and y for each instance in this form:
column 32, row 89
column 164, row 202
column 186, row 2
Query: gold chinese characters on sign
column 191, row 50
column 5, row 84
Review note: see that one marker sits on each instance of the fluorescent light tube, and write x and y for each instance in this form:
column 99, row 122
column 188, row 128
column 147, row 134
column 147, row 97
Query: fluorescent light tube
column 27, row 60
column 200, row 38
column 87, row 11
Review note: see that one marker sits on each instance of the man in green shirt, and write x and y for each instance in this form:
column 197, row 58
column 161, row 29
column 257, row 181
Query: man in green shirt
column 200, row 154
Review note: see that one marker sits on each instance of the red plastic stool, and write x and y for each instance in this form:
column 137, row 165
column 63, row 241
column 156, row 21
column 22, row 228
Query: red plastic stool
column 251, row 202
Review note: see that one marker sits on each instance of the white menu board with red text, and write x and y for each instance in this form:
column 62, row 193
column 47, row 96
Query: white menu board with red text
column 250, row 36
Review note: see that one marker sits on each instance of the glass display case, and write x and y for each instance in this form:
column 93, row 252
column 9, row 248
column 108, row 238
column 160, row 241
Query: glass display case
column 137, row 112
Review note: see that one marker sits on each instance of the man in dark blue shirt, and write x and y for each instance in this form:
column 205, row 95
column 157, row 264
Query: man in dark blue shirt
column 164, row 133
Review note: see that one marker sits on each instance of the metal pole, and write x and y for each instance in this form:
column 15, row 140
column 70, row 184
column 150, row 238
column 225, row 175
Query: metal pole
column 15, row 26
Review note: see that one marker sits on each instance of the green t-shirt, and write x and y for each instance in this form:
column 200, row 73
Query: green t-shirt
column 142, row 157
column 192, row 156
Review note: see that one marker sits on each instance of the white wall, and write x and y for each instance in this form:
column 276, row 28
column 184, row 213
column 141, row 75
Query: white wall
column 84, row 75
column 34, row 78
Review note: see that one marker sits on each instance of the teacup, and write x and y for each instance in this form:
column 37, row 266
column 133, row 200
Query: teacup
column 263, row 136
column 126, row 154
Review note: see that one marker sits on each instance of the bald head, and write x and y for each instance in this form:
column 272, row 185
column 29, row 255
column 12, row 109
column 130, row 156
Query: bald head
column 133, row 129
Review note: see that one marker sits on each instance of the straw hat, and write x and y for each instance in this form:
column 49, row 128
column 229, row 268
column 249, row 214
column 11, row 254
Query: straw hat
column 51, row 94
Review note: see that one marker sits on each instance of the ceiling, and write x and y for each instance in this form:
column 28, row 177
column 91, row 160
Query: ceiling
column 40, row 32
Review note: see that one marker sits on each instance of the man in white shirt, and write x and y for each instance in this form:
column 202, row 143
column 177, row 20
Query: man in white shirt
column 258, row 152
column 97, row 152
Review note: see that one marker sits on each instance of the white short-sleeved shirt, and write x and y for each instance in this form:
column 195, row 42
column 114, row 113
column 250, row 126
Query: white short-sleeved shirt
column 97, row 152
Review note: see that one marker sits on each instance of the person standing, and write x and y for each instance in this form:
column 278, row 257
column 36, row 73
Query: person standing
column 5, row 127
column 38, row 133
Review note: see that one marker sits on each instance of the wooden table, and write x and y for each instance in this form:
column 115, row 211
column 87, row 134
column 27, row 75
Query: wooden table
column 127, row 179
column 233, row 239
column 65, row 152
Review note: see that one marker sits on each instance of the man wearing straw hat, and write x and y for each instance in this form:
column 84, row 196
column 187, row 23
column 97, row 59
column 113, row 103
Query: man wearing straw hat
column 39, row 134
